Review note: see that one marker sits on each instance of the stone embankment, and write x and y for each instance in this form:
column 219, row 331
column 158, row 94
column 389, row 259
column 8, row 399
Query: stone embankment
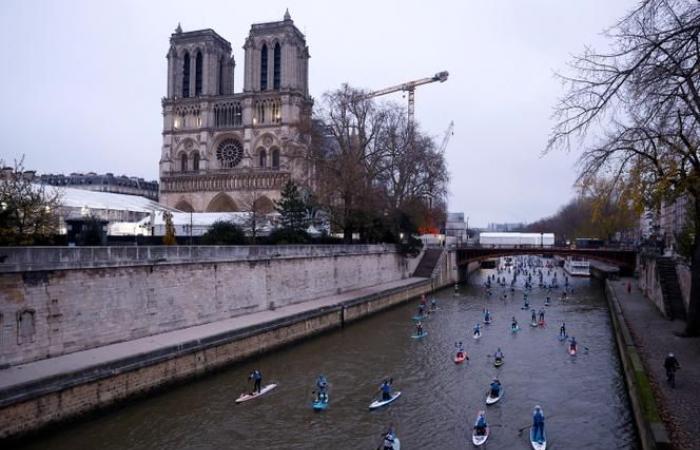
column 102, row 334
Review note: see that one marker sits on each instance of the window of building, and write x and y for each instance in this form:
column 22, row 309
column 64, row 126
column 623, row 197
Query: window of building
column 276, row 74
column 195, row 161
column 260, row 112
column 198, row 74
column 263, row 158
column 183, row 163
column 275, row 158
column 228, row 115
column 229, row 153
column 221, row 76
column 186, row 76
column 276, row 111
column 26, row 326
column 263, row 68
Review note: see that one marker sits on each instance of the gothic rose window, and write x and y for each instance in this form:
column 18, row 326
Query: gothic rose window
column 229, row 153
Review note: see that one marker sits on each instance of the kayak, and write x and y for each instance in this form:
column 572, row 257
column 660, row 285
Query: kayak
column 498, row 362
column 419, row 336
column 248, row 396
column 379, row 403
column 460, row 359
column 538, row 445
column 320, row 405
column 491, row 400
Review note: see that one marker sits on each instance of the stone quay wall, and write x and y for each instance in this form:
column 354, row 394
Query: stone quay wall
column 77, row 393
column 96, row 297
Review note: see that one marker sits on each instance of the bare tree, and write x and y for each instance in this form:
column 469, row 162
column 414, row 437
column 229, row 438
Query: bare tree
column 258, row 207
column 636, row 111
column 28, row 211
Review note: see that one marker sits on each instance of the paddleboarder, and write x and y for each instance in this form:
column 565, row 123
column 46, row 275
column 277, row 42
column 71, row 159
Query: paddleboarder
column 538, row 424
column 419, row 328
column 514, row 323
column 671, row 365
column 572, row 344
column 495, row 387
column 562, row 330
column 322, row 385
column 480, row 425
column 534, row 316
column 256, row 376
column 477, row 330
column 386, row 389
column 498, row 355
column 487, row 316
column 389, row 440
column 542, row 315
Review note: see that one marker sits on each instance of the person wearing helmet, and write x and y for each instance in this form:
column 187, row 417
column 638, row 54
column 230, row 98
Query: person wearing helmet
column 671, row 365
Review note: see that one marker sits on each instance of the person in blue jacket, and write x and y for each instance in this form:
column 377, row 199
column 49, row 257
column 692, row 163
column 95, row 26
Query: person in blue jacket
column 477, row 330
column 386, row 389
column 256, row 376
column 495, row 387
column 322, row 385
column 480, row 424
column 538, row 424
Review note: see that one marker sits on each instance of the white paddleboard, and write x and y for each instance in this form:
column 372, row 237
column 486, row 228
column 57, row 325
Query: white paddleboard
column 379, row 403
column 478, row 441
column 538, row 445
column 491, row 400
column 248, row 396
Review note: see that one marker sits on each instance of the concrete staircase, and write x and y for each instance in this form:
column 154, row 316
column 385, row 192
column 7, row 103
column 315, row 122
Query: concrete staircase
column 670, row 288
column 427, row 264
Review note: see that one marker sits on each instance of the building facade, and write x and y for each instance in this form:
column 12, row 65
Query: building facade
column 121, row 184
column 226, row 151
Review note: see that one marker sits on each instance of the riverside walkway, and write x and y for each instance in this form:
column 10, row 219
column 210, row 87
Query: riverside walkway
column 655, row 337
column 54, row 373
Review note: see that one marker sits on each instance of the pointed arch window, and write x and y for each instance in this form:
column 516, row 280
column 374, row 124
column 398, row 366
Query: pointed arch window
column 183, row 163
column 275, row 158
column 195, row 161
column 198, row 74
column 263, row 68
column 186, row 75
column 263, row 158
column 276, row 71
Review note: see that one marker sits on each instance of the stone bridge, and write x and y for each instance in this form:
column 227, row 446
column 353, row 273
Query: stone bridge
column 624, row 258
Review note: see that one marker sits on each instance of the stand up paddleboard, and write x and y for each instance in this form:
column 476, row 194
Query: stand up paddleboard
column 477, row 335
column 538, row 445
column 419, row 336
column 460, row 359
column 379, row 403
column 248, row 396
column 320, row 405
column 515, row 329
column 491, row 400
column 480, row 439
column 498, row 363
column 419, row 318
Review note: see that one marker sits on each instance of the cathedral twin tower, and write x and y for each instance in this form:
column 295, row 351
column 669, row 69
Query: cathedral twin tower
column 223, row 150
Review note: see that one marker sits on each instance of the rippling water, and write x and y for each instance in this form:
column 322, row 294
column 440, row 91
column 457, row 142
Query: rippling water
column 583, row 397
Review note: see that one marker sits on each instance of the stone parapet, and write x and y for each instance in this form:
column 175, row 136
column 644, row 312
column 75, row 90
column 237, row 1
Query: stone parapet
column 25, row 259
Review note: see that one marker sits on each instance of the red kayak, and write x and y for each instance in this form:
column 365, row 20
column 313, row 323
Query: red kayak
column 460, row 357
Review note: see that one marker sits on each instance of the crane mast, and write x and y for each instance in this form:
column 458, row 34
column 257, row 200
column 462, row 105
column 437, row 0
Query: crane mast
column 410, row 87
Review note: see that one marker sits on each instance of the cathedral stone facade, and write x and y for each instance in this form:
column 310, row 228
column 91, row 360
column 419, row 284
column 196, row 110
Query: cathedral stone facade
column 225, row 151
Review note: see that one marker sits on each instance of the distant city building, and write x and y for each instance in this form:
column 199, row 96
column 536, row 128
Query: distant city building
column 456, row 227
column 666, row 223
column 107, row 182
column 221, row 148
column 506, row 227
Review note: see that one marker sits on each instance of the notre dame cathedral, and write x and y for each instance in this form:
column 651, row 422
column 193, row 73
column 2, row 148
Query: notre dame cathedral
column 223, row 150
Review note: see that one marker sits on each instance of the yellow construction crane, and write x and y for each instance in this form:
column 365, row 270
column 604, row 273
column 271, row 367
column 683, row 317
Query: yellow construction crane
column 410, row 87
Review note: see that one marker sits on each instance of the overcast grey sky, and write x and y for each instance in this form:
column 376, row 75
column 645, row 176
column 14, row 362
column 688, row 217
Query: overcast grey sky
column 83, row 80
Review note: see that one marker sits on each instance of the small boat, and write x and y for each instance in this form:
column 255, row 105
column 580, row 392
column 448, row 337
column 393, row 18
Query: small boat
column 379, row 403
column 537, row 445
column 321, row 404
column 498, row 362
column 480, row 439
column 460, row 357
column 250, row 396
column 491, row 400
column 419, row 336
